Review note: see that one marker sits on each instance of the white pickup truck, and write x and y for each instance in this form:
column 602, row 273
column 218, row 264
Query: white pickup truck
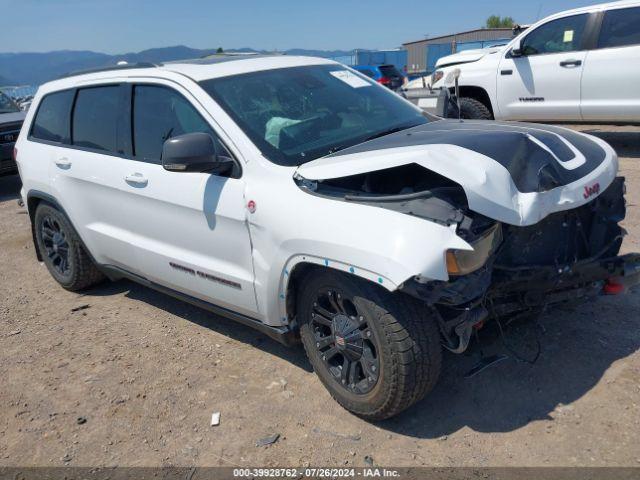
column 578, row 65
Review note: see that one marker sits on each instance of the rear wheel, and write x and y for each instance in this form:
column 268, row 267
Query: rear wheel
column 472, row 109
column 377, row 353
column 61, row 250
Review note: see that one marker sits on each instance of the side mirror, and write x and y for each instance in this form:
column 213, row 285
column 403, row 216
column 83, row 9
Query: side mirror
column 191, row 152
column 516, row 50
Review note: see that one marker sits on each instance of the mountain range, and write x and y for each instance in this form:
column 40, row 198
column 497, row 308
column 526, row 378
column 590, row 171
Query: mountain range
column 37, row 68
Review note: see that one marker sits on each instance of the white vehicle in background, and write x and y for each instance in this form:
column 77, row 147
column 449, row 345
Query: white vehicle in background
column 580, row 65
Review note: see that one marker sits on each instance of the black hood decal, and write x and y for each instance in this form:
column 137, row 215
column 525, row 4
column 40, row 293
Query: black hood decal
column 535, row 156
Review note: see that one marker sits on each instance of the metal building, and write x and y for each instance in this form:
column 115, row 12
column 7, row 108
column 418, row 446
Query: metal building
column 423, row 54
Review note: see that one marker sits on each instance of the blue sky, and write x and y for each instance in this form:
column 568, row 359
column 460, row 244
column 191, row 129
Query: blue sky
column 120, row 26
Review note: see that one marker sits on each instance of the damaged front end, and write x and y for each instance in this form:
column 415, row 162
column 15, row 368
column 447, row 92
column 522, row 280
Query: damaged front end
column 569, row 255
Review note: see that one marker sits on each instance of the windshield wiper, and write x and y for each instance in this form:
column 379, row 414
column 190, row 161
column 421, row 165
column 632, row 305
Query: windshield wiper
column 337, row 148
column 388, row 132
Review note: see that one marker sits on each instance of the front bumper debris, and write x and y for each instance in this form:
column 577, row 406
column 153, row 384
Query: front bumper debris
column 568, row 256
column 530, row 289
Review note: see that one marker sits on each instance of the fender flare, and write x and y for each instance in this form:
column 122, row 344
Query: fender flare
column 350, row 269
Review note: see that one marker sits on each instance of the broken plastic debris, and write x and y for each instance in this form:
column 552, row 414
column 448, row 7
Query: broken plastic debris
column 268, row 440
column 215, row 419
column 81, row 307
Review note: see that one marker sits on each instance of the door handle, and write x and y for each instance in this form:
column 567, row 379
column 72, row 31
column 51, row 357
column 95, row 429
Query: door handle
column 136, row 179
column 63, row 162
column 571, row 63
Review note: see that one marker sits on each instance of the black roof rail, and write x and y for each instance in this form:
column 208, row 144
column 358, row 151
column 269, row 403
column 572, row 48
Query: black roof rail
column 125, row 66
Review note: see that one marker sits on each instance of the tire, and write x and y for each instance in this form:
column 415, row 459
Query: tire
column 62, row 251
column 473, row 109
column 399, row 344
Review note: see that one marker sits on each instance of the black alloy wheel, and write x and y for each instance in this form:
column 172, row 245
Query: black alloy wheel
column 56, row 246
column 345, row 341
column 62, row 251
column 377, row 352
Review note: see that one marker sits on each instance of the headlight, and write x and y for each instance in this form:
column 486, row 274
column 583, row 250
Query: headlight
column 436, row 77
column 462, row 262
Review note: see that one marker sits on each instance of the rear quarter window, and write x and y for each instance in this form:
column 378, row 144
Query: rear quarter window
column 51, row 122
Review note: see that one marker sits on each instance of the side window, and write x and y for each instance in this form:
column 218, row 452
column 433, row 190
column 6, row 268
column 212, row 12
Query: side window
column 620, row 28
column 95, row 118
column 52, row 119
column 556, row 36
column 160, row 113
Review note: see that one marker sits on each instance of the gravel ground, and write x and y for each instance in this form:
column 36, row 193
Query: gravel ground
column 122, row 375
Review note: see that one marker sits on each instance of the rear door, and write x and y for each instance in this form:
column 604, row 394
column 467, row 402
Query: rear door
column 85, row 173
column 190, row 229
column 544, row 83
column 611, row 78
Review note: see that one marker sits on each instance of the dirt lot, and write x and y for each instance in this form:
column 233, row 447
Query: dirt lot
column 134, row 378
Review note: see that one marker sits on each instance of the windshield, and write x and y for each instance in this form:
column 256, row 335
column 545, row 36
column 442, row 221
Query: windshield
column 7, row 105
column 295, row 115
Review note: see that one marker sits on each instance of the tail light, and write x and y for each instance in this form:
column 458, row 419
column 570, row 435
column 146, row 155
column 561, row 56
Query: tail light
column 612, row 287
column 384, row 80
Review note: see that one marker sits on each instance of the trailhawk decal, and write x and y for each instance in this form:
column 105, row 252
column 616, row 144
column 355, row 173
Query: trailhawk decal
column 204, row 275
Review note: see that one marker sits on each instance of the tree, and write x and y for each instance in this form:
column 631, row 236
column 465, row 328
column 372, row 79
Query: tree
column 219, row 50
column 496, row 21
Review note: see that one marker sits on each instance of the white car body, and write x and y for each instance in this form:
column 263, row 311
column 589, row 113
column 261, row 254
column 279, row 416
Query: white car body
column 590, row 82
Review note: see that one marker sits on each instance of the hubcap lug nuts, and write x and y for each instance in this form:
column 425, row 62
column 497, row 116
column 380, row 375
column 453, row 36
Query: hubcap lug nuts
column 373, row 369
column 368, row 334
column 318, row 344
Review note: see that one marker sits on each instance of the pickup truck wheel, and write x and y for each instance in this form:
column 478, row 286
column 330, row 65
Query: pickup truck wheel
column 472, row 109
column 376, row 352
column 62, row 251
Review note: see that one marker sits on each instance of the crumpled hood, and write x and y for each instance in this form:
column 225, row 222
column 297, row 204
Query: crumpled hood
column 466, row 56
column 513, row 172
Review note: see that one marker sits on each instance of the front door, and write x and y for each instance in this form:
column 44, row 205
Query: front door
column 191, row 233
column 544, row 82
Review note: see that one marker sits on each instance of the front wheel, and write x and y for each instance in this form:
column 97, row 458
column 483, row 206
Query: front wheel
column 376, row 352
column 472, row 109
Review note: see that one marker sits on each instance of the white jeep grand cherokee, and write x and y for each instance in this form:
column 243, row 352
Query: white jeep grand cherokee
column 299, row 197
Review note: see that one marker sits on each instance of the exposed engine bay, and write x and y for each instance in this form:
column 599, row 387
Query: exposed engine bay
column 569, row 255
